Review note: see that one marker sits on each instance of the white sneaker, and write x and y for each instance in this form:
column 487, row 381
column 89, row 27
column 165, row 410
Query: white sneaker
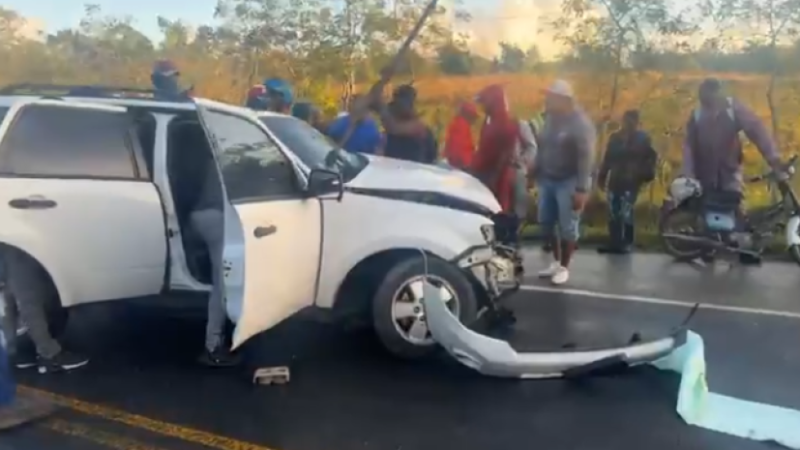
column 550, row 270
column 561, row 276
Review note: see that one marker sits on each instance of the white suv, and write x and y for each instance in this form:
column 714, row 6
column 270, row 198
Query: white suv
column 98, row 190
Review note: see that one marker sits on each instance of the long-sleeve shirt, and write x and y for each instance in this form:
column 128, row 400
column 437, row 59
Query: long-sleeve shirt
column 566, row 149
column 712, row 149
column 629, row 161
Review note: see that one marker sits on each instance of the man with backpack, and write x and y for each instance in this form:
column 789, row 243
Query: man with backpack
column 628, row 163
column 712, row 151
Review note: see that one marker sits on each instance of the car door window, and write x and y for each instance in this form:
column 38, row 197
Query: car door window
column 68, row 142
column 253, row 166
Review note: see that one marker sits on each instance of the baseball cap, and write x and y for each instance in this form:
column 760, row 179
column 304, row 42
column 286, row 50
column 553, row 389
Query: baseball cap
column 561, row 88
column 281, row 87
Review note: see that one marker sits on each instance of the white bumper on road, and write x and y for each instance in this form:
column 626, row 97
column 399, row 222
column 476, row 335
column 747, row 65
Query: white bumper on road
column 497, row 358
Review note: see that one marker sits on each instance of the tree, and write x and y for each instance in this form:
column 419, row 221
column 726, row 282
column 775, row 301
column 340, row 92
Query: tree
column 770, row 24
column 512, row 58
column 454, row 59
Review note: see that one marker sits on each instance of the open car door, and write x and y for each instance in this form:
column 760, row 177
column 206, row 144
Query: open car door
column 272, row 227
column 232, row 250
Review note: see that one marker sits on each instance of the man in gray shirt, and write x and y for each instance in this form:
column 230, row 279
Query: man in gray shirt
column 562, row 170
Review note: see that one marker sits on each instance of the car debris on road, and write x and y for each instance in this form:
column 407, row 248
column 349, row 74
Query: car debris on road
column 272, row 375
column 494, row 357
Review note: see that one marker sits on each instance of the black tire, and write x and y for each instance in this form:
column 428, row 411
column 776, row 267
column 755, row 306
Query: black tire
column 395, row 278
column 685, row 251
column 794, row 252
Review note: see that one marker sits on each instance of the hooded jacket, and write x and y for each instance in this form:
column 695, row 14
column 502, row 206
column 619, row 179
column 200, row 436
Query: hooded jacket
column 459, row 146
column 493, row 162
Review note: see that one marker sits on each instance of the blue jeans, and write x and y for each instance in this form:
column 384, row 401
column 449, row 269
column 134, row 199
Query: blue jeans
column 555, row 209
column 620, row 220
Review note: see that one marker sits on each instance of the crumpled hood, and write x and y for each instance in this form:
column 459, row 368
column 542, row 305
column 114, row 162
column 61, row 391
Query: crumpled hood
column 397, row 175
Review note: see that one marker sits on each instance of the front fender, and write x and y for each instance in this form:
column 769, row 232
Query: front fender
column 438, row 241
column 29, row 241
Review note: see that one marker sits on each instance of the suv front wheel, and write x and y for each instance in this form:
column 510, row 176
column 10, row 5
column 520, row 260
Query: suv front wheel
column 397, row 311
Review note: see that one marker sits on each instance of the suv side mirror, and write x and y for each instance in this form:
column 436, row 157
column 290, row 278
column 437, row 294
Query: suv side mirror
column 324, row 183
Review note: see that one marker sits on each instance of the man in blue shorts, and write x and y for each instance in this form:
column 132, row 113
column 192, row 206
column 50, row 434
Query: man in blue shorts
column 562, row 170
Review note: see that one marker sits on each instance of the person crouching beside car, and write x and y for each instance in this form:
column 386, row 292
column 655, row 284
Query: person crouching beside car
column 562, row 170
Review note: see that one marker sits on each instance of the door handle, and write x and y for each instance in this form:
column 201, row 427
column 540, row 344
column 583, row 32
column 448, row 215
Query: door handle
column 261, row 232
column 32, row 202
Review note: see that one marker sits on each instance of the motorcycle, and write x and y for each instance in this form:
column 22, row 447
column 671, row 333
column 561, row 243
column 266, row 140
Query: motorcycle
column 697, row 224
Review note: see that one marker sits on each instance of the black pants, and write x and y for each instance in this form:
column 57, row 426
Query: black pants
column 621, row 229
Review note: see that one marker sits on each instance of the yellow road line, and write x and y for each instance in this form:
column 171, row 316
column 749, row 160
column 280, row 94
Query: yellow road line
column 98, row 437
column 145, row 423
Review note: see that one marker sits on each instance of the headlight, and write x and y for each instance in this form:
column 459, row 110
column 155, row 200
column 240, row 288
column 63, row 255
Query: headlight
column 488, row 233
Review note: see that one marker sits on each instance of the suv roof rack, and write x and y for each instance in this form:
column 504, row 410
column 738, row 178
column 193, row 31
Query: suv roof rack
column 66, row 90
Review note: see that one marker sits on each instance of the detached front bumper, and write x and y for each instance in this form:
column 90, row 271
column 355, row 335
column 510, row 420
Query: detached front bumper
column 497, row 358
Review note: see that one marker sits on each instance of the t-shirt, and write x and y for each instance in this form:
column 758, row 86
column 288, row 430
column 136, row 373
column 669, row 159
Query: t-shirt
column 422, row 149
column 366, row 137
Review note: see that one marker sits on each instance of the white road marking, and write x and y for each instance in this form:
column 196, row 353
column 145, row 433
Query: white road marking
column 660, row 301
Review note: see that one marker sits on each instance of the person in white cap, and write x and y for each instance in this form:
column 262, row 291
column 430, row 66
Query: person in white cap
column 562, row 170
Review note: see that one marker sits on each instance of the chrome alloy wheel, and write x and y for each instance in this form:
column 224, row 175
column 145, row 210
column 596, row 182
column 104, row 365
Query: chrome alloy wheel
column 408, row 314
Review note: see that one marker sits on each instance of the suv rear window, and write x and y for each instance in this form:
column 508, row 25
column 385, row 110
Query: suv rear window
column 61, row 141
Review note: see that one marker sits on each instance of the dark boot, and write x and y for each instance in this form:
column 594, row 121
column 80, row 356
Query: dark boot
column 749, row 259
column 615, row 242
column 629, row 236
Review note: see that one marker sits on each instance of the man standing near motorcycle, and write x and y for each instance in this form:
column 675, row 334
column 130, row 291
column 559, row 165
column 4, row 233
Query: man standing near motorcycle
column 712, row 150
column 628, row 163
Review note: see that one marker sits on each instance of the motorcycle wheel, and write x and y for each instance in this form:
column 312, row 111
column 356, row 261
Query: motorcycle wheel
column 674, row 221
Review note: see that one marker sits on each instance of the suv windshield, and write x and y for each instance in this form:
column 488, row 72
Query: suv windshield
column 314, row 148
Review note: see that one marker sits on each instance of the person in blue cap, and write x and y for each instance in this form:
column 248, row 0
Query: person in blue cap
column 279, row 95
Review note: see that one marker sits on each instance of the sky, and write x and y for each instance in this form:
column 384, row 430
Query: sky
column 515, row 21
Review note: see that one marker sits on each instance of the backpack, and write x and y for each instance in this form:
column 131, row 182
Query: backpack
column 730, row 111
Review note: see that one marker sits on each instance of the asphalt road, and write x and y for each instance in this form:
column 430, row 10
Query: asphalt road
column 143, row 391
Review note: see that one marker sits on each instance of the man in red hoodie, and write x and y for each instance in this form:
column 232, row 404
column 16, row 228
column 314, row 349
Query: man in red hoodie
column 494, row 161
column 459, row 147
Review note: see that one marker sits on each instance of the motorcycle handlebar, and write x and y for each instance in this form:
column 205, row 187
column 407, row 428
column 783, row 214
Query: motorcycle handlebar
column 788, row 168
